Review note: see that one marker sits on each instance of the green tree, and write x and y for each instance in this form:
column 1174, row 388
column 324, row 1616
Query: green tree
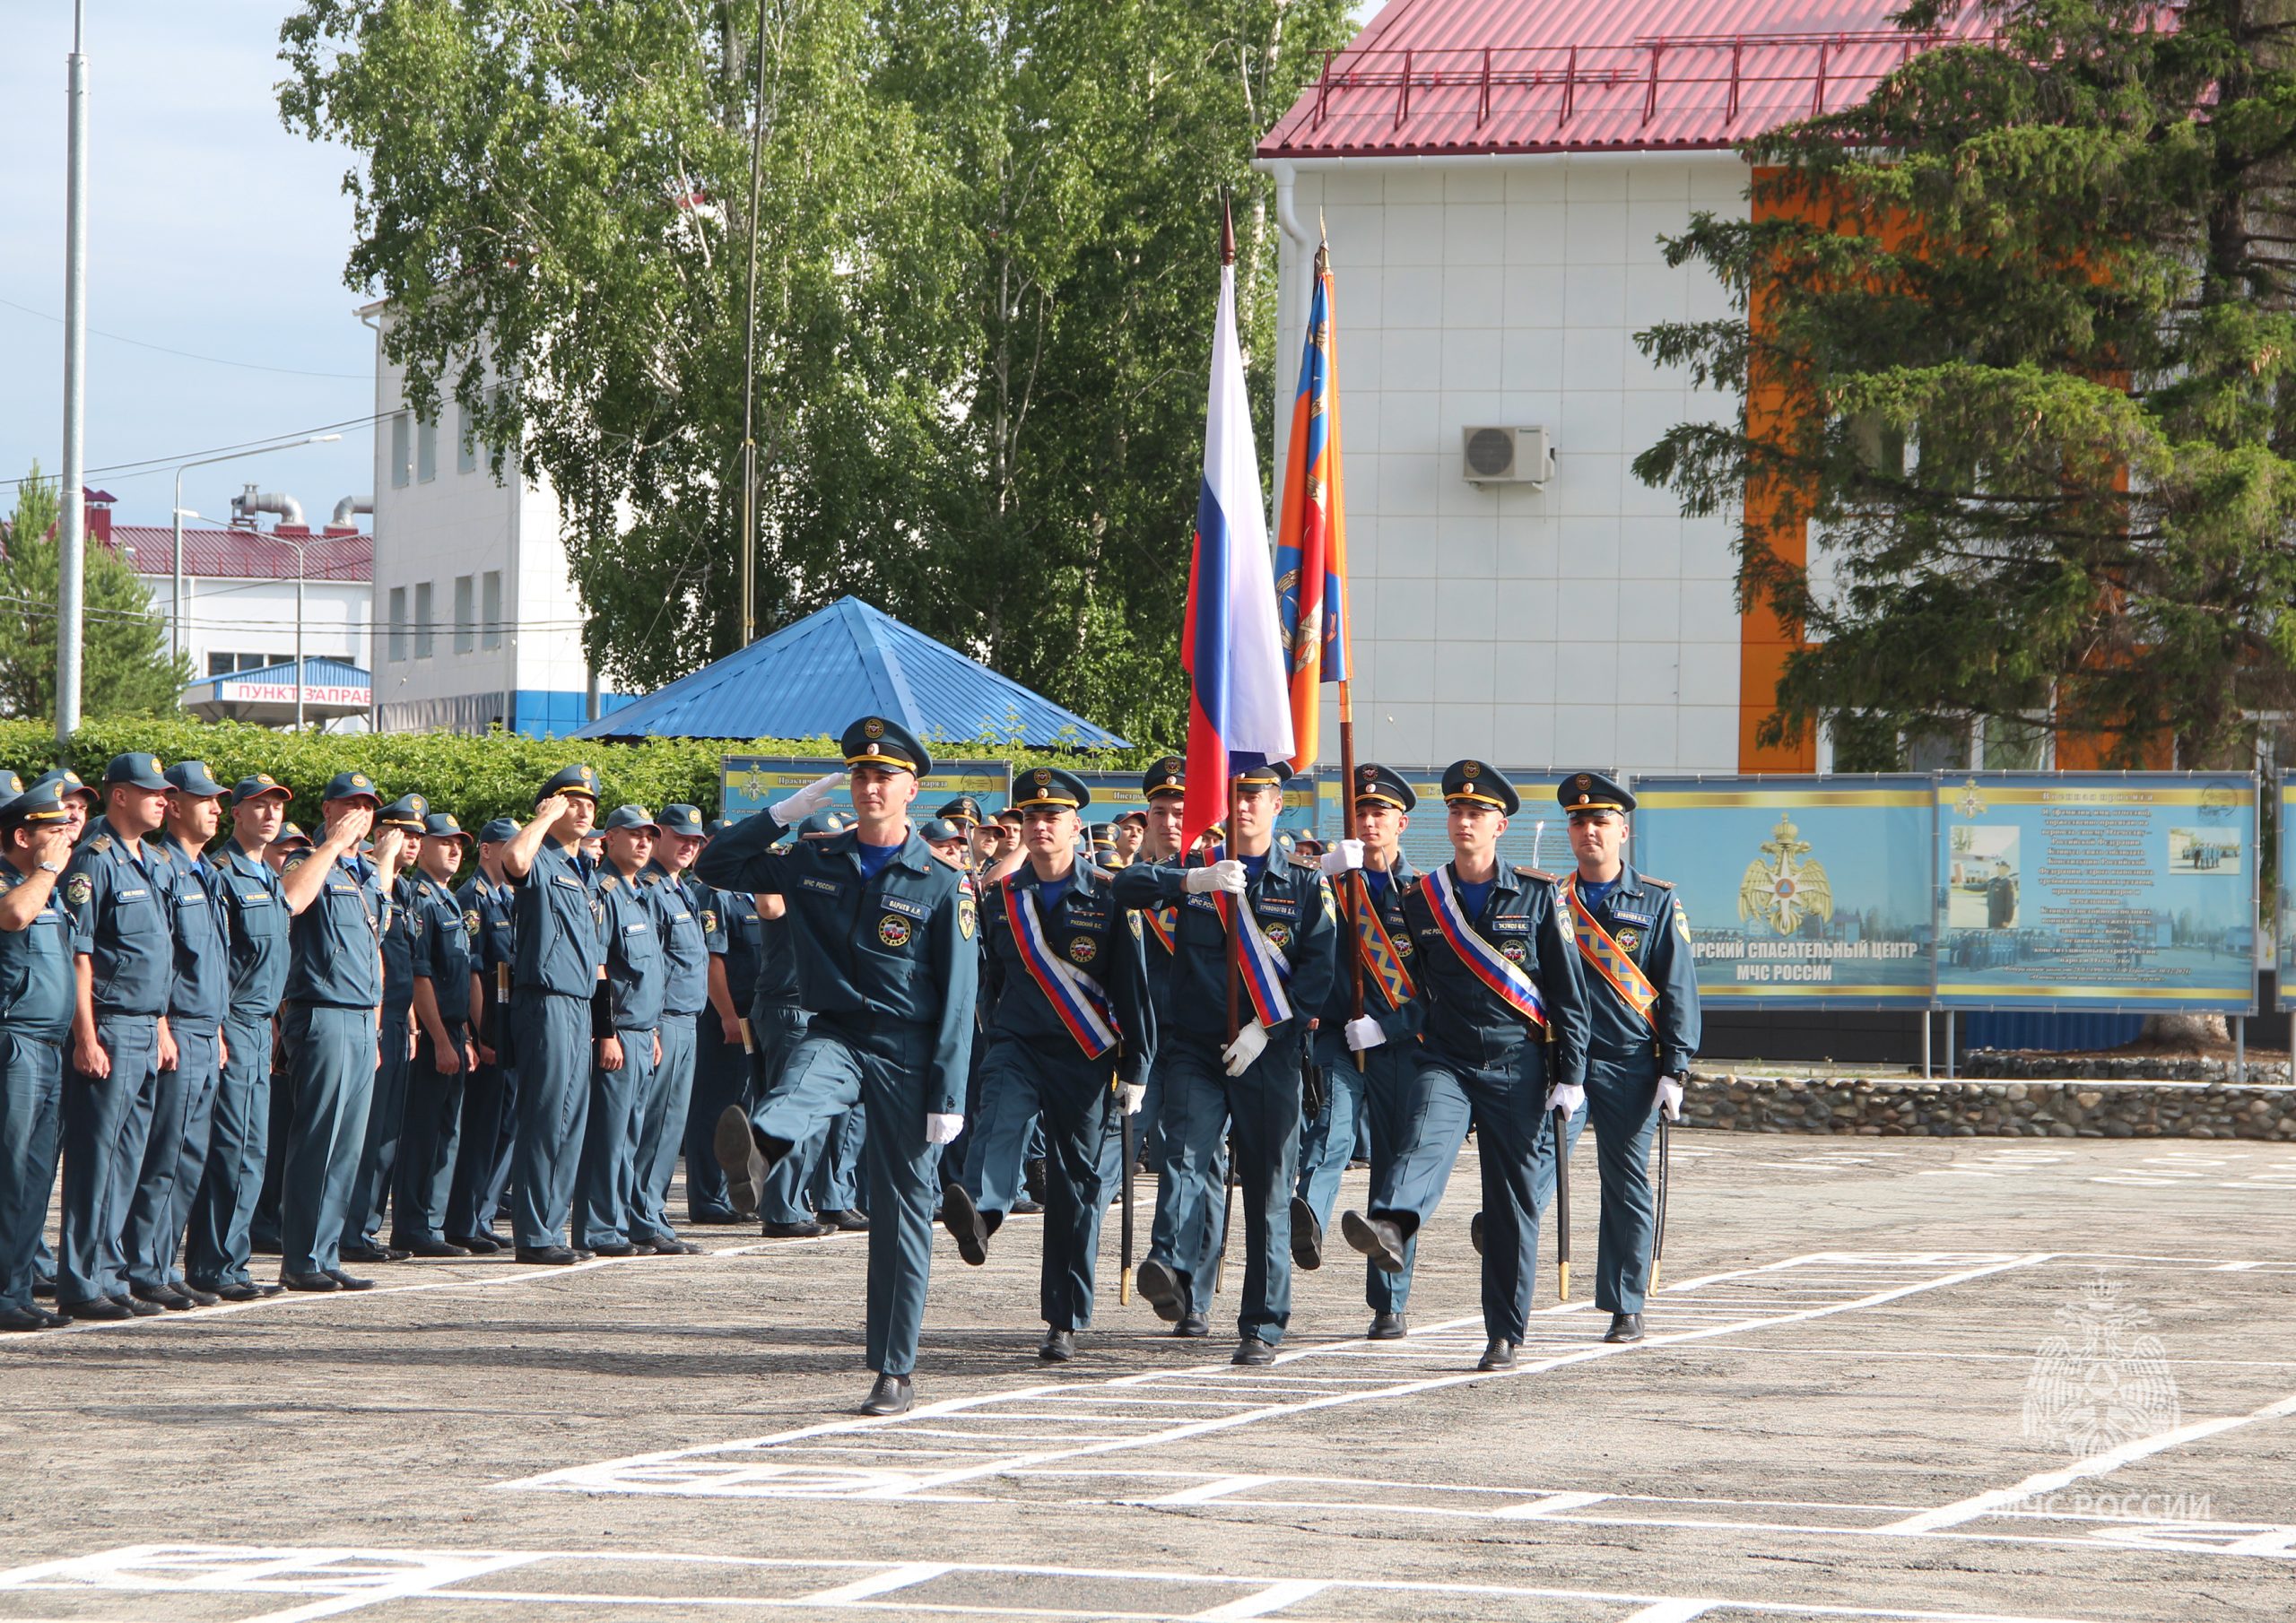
column 984, row 296
column 124, row 665
column 2023, row 372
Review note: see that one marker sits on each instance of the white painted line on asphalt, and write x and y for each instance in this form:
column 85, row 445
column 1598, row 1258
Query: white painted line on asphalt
column 1215, row 1488
column 879, row 1584
column 2094, row 1465
column 1674, row 1611
column 1275, row 1597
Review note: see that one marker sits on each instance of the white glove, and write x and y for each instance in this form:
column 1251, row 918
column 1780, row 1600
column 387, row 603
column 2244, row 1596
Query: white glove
column 942, row 1129
column 807, row 801
column 1670, row 1097
column 1568, row 1098
column 1226, row 874
column 1364, row 1033
column 1345, row 856
column 1133, row 1093
column 1250, row 1043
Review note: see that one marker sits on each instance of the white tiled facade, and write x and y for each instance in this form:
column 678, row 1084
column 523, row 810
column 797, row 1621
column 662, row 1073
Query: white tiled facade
column 1584, row 624
column 255, row 620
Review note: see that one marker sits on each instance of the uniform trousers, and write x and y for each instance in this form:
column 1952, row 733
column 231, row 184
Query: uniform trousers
column 1156, row 1156
column 662, row 1126
column 1374, row 1097
column 175, row 1156
column 107, row 1124
column 881, row 1065
column 1622, row 1104
column 1201, row 1103
column 218, row 1245
column 836, row 1181
column 1505, row 1104
column 31, row 1096
column 482, row 1144
column 605, row 1182
column 551, row 1033
column 1027, row 1080
column 426, row 1141
column 386, row 1122
column 264, row 1229
column 331, row 1051
column 723, row 1073
column 1327, row 1138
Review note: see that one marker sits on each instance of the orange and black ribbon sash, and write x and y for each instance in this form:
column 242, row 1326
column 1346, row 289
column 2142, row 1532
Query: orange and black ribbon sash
column 1610, row 960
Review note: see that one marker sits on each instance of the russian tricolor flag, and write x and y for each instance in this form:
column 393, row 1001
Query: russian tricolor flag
column 1239, row 712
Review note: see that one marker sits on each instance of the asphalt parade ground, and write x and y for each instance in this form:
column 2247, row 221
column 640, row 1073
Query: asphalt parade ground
column 1887, row 1379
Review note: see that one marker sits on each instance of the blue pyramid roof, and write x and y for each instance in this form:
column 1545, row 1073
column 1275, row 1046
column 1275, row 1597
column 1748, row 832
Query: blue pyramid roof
column 814, row 678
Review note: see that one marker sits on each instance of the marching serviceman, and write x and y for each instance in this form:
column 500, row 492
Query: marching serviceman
column 440, row 938
column 626, row 1019
column 887, row 966
column 120, row 891
column 1503, row 1018
column 560, row 957
column 1066, row 977
column 724, row 1065
column 490, row 1094
column 362, row 1240
column 183, row 1105
column 218, row 1247
column 36, row 997
column 1288, row 953
column 1368, row 1068
column 1642, row 1010
column 333, row 1026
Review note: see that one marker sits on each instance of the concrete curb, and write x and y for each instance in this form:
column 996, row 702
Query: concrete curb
column 1890, row 1108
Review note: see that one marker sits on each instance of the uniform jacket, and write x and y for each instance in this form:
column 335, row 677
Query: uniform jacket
column 440, row 948
column 1466, row 1023
column 557, row 947
column 36, row 982
column 1645, row 916
column 1294, row 908
column 1400, row 1024
column 677, row 911
column 203, row 978
column 256, row 927
column 636, row 966
column 1090, row 932
column 732, row 931
column 334, row 946
column 120, row 908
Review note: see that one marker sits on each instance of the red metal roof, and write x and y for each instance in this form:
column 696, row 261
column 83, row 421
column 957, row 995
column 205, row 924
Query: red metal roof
column 1464, row 76
column 244, row 555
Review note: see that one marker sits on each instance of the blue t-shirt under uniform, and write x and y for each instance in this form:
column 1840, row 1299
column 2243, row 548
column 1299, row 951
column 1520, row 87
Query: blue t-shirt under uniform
column 872, row 857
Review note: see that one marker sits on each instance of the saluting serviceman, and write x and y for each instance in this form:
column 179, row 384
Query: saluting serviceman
column 1283, row 913
column 1641, row 983
column 439, row 939
column 725, row 1068
column 1503, row 1020
column 80, row 803
column 1069, row 1043
column 256, row 920
column 120, row 891
column 887, row 966
column 36, row 996
column 560, row 956
column 1366, row 1067
column 362, row 1240
column 264, row 1229
column 490, row 1094
column 679, row 903
column 626, row 1019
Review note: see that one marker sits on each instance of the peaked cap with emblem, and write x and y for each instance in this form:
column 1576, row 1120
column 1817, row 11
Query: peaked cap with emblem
column 939, row 830
column 139, row 770
column 1377, row 784
column 192, row 777
column 1167, row 777
column 66, row 783
column 1103, row 836
column 1475, row 783
column 11, row 786
column 1592, row 792
column 351, row 786
column 680, row 817
column 291, row 834
column 825, row 823
column 1049, row 787
column 501, row 829
column 31, row 808
column 576, row 779
column 876, row 741
column 1261, row 776
column 407, row 812
column 964, row 811
column 441, row 825
column 257, row 785
column 630, row 817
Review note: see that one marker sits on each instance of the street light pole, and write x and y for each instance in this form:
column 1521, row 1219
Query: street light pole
column 72, row 529
column 175, row 610
column 300, row 672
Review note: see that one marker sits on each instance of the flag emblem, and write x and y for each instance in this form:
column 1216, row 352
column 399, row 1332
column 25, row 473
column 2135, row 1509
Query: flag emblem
column 894, row 930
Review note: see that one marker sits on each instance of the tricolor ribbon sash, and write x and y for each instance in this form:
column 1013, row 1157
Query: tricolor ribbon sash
column 1074, row 997
column 1266, row 970
column 1378, row 948
column 1506, row 980
column 1610, row 960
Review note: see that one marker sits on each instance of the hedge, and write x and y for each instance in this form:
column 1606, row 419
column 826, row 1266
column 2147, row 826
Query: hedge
column 476, row 777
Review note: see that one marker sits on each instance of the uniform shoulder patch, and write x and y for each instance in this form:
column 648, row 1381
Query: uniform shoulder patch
column 1094, row 872
column 1663, row 884
column 78, row 890
column 607, row 882
column 102, row 842
column 295, row 861
column 649, row 880
column 1528, row 873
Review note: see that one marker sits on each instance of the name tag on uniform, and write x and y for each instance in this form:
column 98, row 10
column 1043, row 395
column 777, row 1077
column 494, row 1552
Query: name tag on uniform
column 895, row 904
column 254, row 899
column 566, row 880
column 821, row 886
column 192, row 899
column 1274, row 904
column 1511, row 924
column 129, row 896
column 1619, row 917
column 638, row 928
column 1205, row 902
column 680, row 917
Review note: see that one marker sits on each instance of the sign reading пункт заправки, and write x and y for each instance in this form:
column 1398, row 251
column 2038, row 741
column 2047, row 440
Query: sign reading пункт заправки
column 2097, row 891
column 1799, row 891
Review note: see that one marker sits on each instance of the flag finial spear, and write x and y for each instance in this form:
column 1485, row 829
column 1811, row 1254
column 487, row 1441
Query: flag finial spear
column 1227, row 230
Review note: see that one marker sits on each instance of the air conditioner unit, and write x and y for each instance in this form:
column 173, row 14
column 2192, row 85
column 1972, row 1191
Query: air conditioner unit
column 1505, row 457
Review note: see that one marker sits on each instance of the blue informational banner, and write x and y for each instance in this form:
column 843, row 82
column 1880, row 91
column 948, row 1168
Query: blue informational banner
column 1425, row 837
column 2097, row 891
column 751, row 782
column 1800, row 891
column 1114, row 793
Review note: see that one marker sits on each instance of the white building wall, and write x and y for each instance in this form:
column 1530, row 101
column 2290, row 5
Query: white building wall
column 1586, row 624
column 240, row 617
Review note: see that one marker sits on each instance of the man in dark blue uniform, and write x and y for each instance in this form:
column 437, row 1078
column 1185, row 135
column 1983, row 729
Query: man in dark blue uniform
column 120, row 891
column 887, row 968
column 625, row 1020
column 1634, row 951
column 35, row 1020
column 440, row 946
column 489, row 1095
column 725, row 1067
column 1503, row 1019
column 332, row 1026
column 560, row 957
column 362, row 1240
column 1069, row 1043
column 184, row 1103
column 677, row 899
column 1367, row 1068
column 1283, row 912
column 256, row 920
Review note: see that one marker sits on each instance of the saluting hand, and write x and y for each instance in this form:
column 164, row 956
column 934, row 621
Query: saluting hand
column 345, row 832
column 549, row 809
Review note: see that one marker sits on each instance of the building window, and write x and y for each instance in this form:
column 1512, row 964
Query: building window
column 422, row 620
column 465, row 616
column 229, row 664
column 398, row 451
column 465, row 442
column 490, row 604
column 426, row 449
column 398, row 624
column 222, row 665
